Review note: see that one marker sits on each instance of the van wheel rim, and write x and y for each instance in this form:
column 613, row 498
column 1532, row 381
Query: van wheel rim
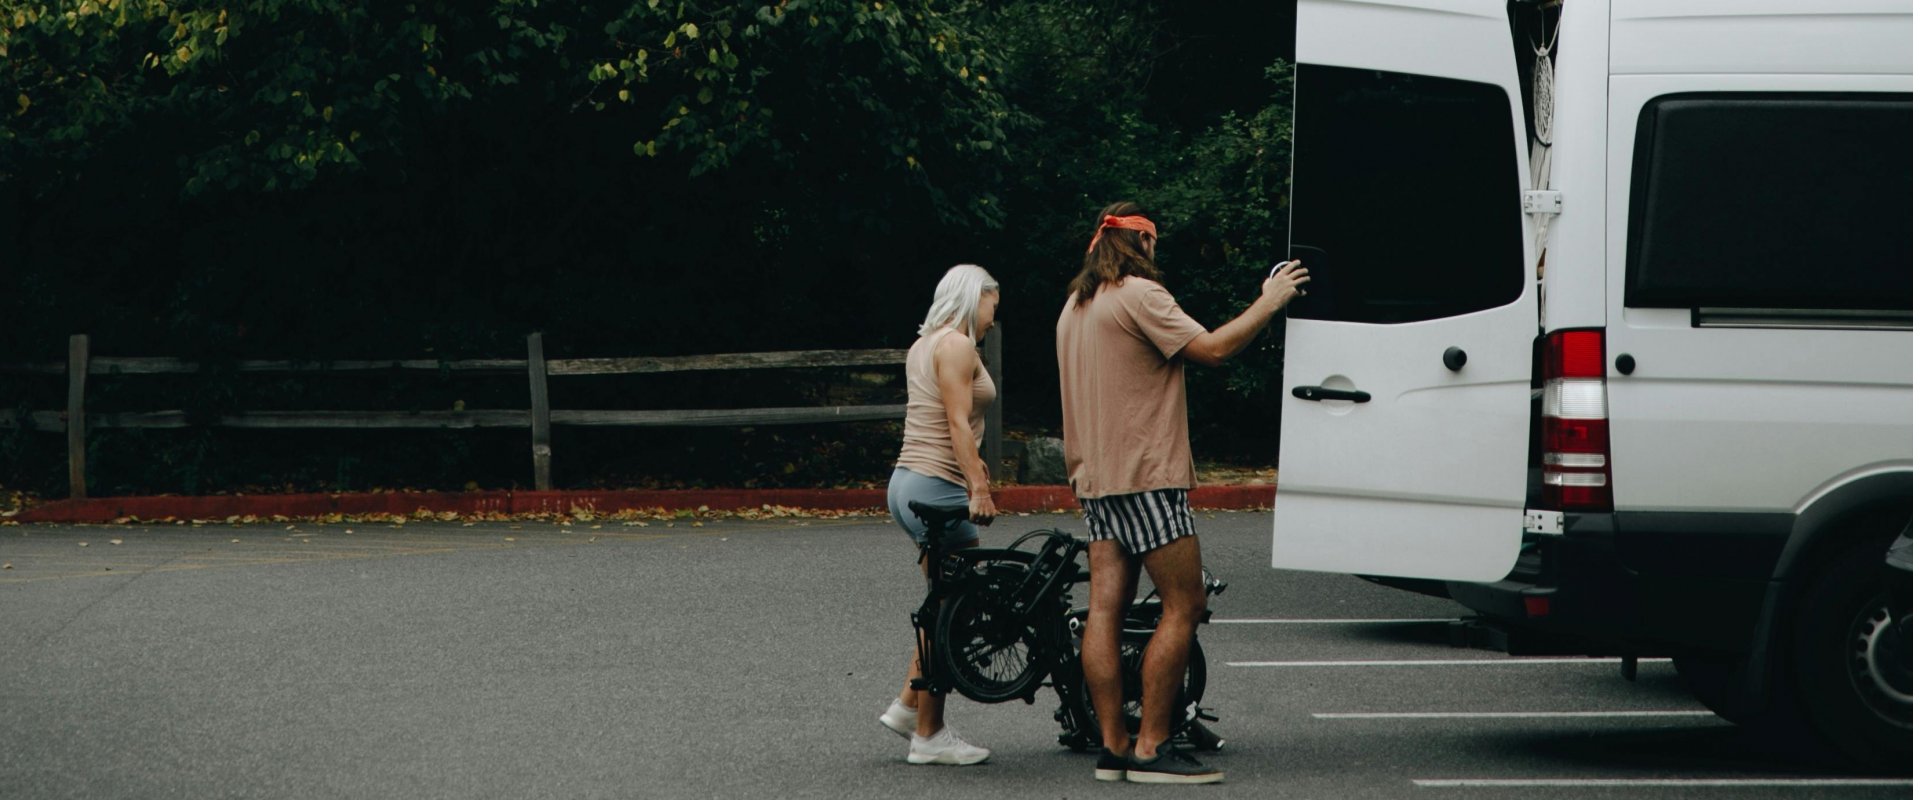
column 1882, row 669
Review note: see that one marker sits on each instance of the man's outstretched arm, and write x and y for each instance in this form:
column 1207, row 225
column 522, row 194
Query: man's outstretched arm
column 1214, row 347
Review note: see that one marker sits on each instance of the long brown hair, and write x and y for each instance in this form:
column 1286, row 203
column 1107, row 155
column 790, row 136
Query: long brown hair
column 1119, row 252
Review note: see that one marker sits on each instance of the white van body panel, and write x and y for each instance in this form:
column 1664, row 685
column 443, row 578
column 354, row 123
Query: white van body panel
column 1740, row 419
column 1422, row 37
column 1575, row 273
column 1378, row 487
column 1761, row 37
column 1427, row 480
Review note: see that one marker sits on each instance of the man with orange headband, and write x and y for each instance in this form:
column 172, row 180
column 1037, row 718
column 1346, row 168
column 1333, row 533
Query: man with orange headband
column 1123, row 345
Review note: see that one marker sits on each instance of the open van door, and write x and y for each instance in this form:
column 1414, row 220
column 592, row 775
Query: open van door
column 1404, row 428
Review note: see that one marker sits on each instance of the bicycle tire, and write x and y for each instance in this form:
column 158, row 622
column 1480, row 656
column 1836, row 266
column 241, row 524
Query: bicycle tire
column 990, row 656
column 1133, row 647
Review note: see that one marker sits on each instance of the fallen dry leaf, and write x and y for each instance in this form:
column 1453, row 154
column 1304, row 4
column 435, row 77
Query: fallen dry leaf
column 114, row 541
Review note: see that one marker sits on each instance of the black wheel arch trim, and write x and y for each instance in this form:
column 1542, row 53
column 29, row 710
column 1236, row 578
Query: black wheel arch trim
column 1805, row 545
column 1866, row 493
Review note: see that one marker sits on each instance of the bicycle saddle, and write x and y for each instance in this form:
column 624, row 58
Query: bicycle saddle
column 936, row 515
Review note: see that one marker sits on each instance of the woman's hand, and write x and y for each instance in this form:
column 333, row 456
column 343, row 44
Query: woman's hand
column 980, row 507
column 1284, row 284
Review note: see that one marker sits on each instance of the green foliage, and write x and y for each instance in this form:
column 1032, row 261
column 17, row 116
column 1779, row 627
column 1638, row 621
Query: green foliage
column 1229, row 203
column 271, row 94
column 1217, row 191
column 318, row 179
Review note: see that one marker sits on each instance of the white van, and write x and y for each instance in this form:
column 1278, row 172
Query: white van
column 1611, row 331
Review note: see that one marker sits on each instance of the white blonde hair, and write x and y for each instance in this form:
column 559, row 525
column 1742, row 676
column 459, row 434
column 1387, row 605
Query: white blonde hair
column 956, row 301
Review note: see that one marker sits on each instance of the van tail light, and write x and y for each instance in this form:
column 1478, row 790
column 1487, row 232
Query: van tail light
column 1577, row 459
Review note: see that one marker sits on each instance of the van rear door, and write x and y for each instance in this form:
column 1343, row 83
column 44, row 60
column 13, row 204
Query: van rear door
column 1404, row 430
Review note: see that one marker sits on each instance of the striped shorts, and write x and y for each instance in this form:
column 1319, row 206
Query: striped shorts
column 1141, row 522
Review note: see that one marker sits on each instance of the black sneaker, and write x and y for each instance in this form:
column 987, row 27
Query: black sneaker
column 1112, row 766
column 1171, row 766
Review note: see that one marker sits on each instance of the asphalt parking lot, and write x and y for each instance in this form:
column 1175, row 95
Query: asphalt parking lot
column 746, row 659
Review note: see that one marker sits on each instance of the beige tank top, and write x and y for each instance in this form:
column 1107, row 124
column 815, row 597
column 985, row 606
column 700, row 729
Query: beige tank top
column 927, row 447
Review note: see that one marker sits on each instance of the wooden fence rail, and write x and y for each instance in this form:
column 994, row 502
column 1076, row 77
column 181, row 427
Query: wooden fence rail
column 539, row 418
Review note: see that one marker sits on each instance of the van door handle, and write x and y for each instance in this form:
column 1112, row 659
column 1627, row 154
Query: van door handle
column 1319, row 393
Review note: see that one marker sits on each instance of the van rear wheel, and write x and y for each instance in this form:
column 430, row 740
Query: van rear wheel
column 1852, row 662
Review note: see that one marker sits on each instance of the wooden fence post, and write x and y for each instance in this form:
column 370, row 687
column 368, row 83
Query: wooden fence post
column 994, row 371
column 76, row 416
column 542, row 416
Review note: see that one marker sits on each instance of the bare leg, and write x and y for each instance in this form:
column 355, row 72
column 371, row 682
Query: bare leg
column 909, row 697
column 932, row 707
column 1175, row 570
column 1115, row 577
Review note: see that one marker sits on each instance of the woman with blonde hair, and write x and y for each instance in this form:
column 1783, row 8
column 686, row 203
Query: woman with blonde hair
column 948, row 392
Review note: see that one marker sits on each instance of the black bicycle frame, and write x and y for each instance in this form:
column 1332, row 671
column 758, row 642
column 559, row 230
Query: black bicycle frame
column 1039, row 603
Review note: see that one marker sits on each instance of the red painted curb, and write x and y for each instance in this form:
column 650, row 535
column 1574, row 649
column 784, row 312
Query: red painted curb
column 1011, row 499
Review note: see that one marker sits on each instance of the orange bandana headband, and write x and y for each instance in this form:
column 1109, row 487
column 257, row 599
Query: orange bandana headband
column 1141, row 224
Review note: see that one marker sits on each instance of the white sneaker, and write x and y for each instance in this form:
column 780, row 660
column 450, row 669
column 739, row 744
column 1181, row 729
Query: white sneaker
column 945, row 747
column 900, row 719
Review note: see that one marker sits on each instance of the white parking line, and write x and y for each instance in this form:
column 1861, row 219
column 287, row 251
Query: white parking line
column 1514, row 714
column 1476, row 662
column 1325, row 621
column 1741, row 783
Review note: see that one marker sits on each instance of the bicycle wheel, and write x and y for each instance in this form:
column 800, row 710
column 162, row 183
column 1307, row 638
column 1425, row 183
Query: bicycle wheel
column 1133, row 651
column 990, row 654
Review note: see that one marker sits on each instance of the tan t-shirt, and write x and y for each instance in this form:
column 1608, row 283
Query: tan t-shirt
column 1123, row 390
column 927, row 447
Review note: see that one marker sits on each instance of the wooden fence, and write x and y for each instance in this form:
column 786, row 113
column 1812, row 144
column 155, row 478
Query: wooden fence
column 540, row 417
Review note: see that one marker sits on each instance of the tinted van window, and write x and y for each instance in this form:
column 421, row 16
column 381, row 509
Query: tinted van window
column 1772, row 201
column 1406, row 196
